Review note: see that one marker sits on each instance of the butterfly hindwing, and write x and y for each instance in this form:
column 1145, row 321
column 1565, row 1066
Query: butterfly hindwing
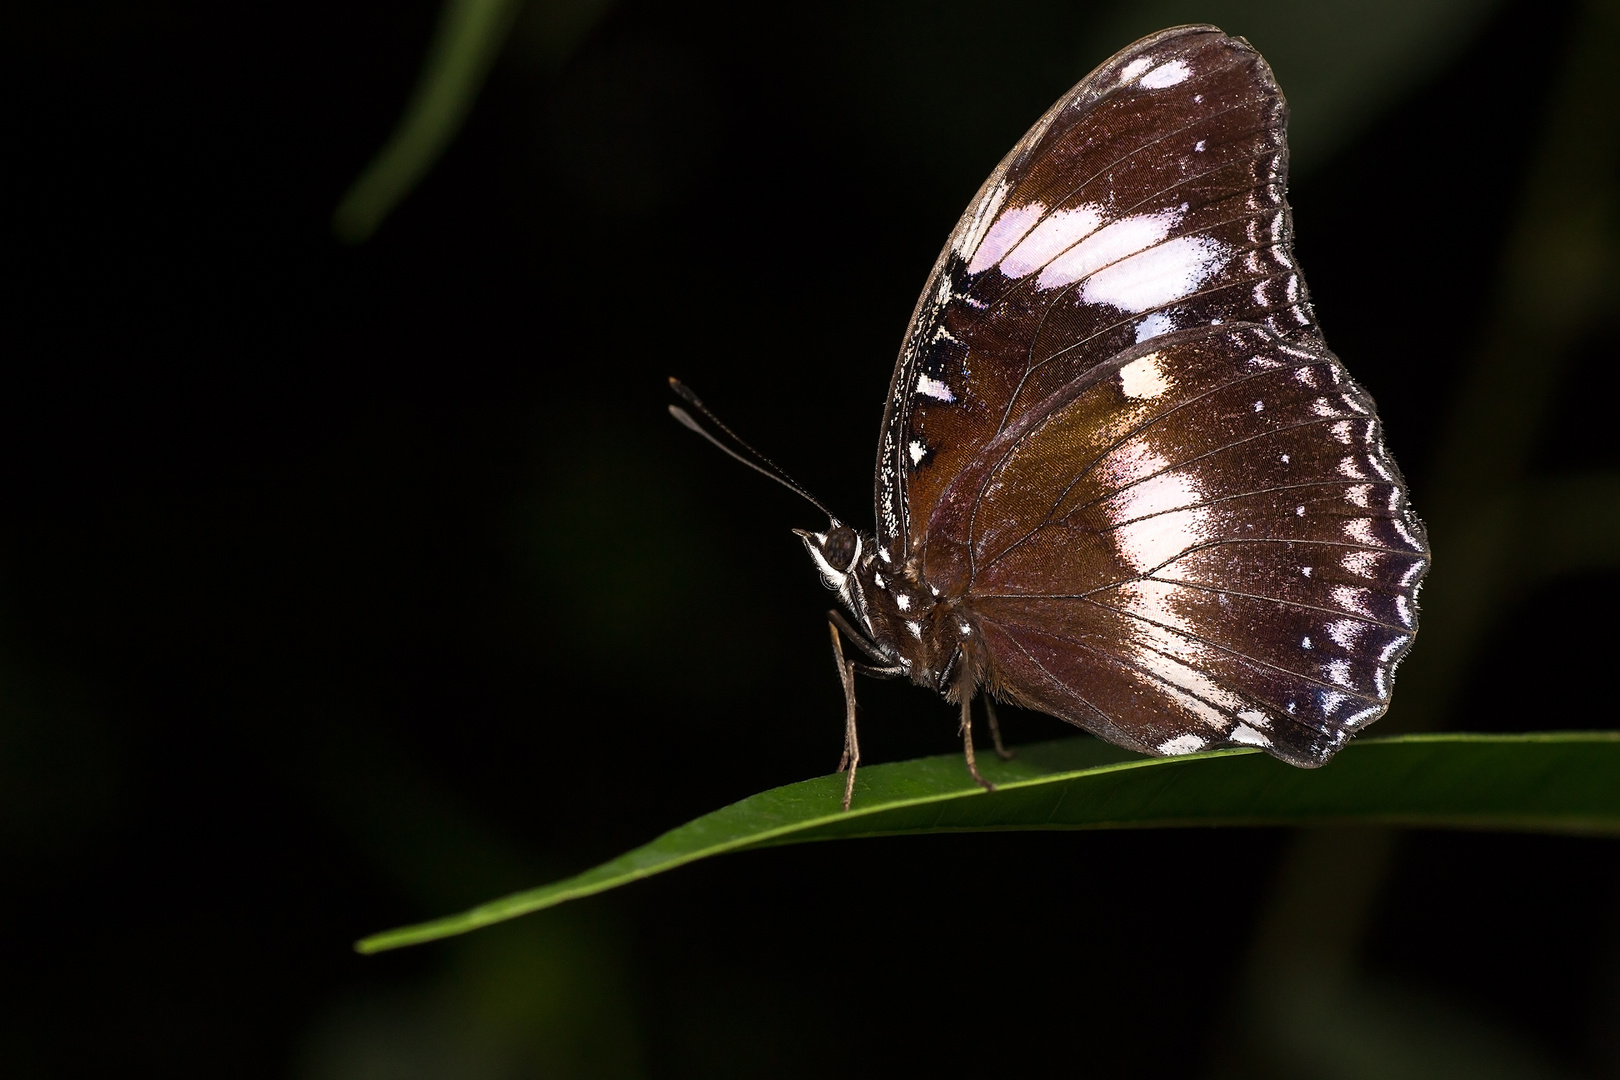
column 1203, row 542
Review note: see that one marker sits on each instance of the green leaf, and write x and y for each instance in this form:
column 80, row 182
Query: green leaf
column 1561, row 782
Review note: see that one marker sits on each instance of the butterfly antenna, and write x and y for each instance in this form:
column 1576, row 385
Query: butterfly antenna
column 738, row 447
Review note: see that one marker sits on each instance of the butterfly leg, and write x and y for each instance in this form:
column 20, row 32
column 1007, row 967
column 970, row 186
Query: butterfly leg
column 967, row 735
column 995, row 730
column 852, row 747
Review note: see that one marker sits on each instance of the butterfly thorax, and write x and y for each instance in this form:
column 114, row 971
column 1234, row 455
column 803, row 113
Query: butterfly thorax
column 909, row 623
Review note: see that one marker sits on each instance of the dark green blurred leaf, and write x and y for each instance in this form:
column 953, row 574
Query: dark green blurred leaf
column 469, row 36
column 1562, row 782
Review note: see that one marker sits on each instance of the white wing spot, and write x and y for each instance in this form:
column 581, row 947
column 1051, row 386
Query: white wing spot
column 1406, row 533
column 1156, row 539
column 1153, row 278
column 1247, row 736
column 1181, row 744
column 1361, row 563
column 934, row 388
column 1347, row 633
column 1051, row 238
column 1134, row 68
column 1166, row 75
column 1083, row 254
column 1361, row 716
column 1147, row 536
column 1141, row 378
column 918, row 451
column 1361, row 531
column 1155, row 324
column 1353, row 599
column 1338, row 672
column 1163, row 647
column 1199, row 147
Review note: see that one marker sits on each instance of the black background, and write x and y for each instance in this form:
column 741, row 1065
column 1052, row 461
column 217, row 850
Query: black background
column 344, row 585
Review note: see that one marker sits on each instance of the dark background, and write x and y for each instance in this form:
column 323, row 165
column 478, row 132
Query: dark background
column 341, row 586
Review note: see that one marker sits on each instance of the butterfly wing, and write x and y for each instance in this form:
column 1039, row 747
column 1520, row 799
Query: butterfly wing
column 1202, row 542
column 1149, row 199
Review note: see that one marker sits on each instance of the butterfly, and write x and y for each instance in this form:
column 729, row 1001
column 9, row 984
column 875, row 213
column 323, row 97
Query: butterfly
column 1121, row 479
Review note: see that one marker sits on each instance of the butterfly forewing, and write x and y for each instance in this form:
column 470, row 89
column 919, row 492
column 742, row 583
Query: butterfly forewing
column 1149, row 199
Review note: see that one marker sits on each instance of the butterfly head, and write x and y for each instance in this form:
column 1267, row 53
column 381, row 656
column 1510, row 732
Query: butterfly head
column 835, row 553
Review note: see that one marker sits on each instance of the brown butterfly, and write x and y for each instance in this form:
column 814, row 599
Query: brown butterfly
column 1121, row 478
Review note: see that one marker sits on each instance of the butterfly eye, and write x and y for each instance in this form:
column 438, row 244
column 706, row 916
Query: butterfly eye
column 839, row 548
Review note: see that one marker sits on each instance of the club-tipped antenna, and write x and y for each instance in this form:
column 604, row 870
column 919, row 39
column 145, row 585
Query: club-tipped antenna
column 738, row 447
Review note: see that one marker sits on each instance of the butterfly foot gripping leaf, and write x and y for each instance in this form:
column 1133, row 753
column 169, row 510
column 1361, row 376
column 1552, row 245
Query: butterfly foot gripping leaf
column 1121, row 479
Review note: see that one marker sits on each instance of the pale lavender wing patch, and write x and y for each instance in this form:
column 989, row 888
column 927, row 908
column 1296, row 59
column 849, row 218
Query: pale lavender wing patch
column 1128, row 264
column 1107, row 246
column 1003, row 233
column 1159, row 276
column 1056, row 234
